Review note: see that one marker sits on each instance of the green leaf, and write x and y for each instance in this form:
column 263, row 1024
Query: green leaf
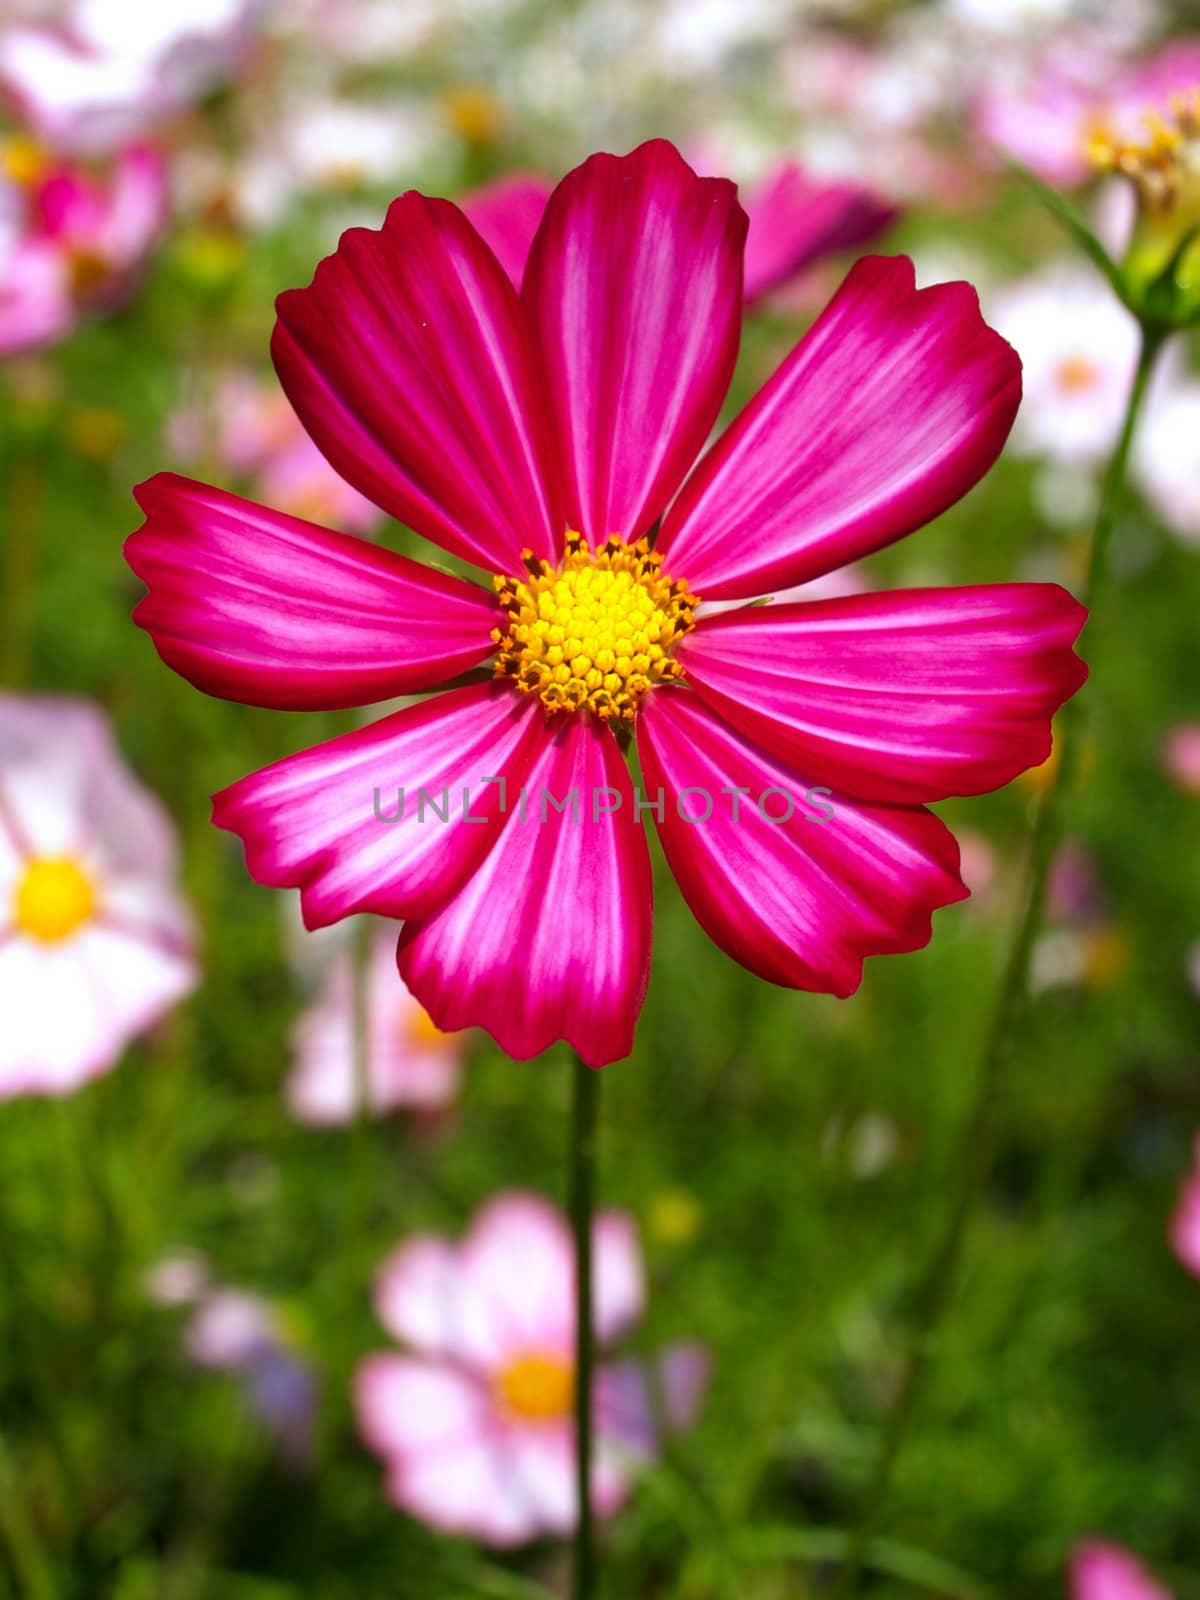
column 1072, row 220
column 926, row 1572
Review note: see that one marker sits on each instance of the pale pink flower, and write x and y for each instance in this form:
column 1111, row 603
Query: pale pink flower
column 236, row 1331
column 178, row 1279
column 110, row 69
column 1181, row 755
column 410, row 1064
column 475, row 1426
column 228, row 1327
column 1078, row 346
column 72, row 243
column 1052, row 115
column 1104, row 1571
column 251, row 429
column 95, row 942
column 1184, row 1229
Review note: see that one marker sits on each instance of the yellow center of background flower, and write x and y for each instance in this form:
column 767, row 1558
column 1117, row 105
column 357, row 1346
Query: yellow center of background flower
column 54, row 897
column 537, row 1388
column 1163, row 162
column 596, row 631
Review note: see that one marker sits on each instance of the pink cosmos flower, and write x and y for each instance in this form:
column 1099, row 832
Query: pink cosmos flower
column 1060, row 117
column 78, row 243
column 545, row 438
column 109, row 69
column 411, row 1064
column 1103, row 1571
column 1181, row 755
column 1078, row 347
column 475, row 1426
column 95, row 943
column 1185, row 1220
column 257, row 435
column 794, row 221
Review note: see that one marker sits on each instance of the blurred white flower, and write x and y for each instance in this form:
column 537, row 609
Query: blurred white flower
column 106, row 70
column 95, row 941
column 1166, row 457
column 1078, row 347
column 410, row 1064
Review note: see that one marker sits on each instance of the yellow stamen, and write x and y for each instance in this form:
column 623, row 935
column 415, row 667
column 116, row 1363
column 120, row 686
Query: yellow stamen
column 1076, row 374
column 536, row 1388
column 54, row 897
column 1162, row 160
column 595, row 632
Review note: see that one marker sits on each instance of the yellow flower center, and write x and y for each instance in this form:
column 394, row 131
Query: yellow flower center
column 54, row 897
column 1164, row 162
column 537, row 1389
column 421, row 1030
column 1076, row 374
column 597, row 631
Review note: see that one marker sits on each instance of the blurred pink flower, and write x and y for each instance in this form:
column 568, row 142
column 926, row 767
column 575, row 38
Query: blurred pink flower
column 411, row 1065
column 1103, row 1571
column 72, row 242
column 107, row 70
column 1078, row 347
column 1051, row 115
column 797, row 219
column 1076, row 893
column 257, row 436
column 227, row 1327
column 1181, row 755
column 1184, row 1230
column 95, row 942
column 794, row 220
column 237, row 1331
column 475, row 1426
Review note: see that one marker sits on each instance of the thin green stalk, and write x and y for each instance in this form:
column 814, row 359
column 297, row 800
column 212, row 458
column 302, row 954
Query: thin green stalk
column 29, row 1560
column 975, row 1152
column 585, row 1090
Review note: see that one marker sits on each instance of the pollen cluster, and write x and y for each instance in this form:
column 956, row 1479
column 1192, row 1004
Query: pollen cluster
column 595, row 632
column 54, row 897
column 1164, row 160
column 536, row 1388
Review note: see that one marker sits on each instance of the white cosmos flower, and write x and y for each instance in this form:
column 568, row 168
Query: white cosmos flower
column 1078, row 346
column 95, row 941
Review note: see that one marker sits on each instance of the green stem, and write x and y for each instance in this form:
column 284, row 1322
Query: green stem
column 975, row 1153
column 29, row 1560
column 584, row 1098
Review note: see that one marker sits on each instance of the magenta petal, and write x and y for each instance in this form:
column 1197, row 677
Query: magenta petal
column 408, row 361
column 320, row 821
column 890, row 408
column 633, row 289
column 799, row 901
column 903, row 697
column 796, row 219
column 506, row 214
column 253, row 605
column 551, row 937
